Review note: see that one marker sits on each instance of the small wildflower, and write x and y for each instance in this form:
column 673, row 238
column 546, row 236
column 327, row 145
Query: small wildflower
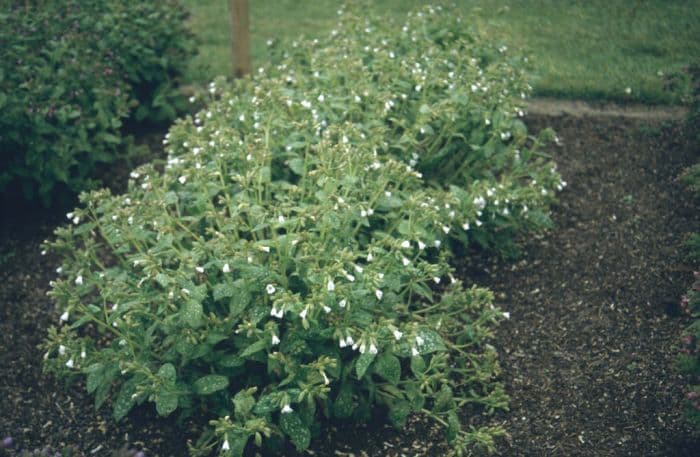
column 419, row 341
column 414, row 352
column 379, row 294
column 225, row 446
column 446, row 229
column 62, row 350
column 436, row 279
column 286, row 409
column 405, row 262
column 270, row 288
column 421, row 245
column 199, row 269
column 182, row 179
column 373, row 349
column 79, row 280
column 437, row 243
column 327, row 309
column 65, row 316
column 226, row 268
column 406, row 244
column 330, row 286
column 342, row 303
column 506, row 315
column 397, row 335
column 275, row 340
column 70, row 363
column 304, row 312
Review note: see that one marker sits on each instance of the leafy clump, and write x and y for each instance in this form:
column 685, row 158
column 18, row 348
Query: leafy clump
column 689, row 360
column 290, row 262
column 71, row 72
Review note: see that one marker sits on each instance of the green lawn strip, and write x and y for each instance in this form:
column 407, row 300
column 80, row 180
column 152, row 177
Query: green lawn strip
column 588, row 50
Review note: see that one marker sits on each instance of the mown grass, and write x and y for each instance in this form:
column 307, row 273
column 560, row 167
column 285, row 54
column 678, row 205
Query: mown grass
column 593, row 49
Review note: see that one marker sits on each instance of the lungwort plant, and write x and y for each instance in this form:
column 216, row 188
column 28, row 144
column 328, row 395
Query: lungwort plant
column 289, row 264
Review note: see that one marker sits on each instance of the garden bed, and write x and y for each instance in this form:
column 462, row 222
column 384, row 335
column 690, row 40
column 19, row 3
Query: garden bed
column 587, row 355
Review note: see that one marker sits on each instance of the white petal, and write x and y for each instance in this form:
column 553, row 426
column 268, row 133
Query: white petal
column 226, row 268
column 379, row 294
column 398, row 334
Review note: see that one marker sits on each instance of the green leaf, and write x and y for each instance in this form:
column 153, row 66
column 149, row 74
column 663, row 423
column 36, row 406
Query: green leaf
column 443, row 400
column 253, row 348
column 192, row 313
column 398, row 412
column 417, row 365
column 124, row 401
column 95, row 376
column 297, row 166
column 163, row 280
column 343, row 406
column 268, row 403
column 453, row 426
column 223, row 290
column 388, row 367
column 244, row 403
column 432, row 341
column 166, row 402
column 292, row 425
column 209, row 384
column 167, row 373
column 363, row 362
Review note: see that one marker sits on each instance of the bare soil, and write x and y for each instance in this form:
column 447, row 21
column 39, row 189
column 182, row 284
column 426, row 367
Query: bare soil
column 587, row 355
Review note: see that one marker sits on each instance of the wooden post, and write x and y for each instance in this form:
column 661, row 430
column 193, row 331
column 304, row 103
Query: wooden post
column 240, row 37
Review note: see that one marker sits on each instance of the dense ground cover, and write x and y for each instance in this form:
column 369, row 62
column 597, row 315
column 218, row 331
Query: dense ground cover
column 611, row 351
column 592, row 50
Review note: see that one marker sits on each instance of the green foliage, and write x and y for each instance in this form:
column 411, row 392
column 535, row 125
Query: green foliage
column 71, row 72
column 290, row 262
column 689, row 360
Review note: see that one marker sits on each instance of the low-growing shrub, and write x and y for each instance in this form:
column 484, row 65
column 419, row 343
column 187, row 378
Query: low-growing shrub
column 689, row 361
column 290, row 263
column 71, row 72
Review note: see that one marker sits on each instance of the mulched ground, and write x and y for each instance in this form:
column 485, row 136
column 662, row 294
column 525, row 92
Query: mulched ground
column 587, row 356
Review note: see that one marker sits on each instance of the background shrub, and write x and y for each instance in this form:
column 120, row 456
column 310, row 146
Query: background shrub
column 290, row 262
column 70, row 73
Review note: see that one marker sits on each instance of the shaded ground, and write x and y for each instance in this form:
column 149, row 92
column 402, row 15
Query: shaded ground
column 587, row 354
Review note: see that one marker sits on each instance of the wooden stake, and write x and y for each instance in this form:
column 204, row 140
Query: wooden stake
column 240, row 37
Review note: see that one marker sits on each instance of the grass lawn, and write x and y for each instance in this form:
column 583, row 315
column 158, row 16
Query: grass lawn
column 592, row 49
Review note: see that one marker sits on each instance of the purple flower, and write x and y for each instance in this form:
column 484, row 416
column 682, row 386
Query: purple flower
column 7, row 442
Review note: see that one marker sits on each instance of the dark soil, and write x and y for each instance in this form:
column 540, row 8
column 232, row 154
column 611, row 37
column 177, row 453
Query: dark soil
column 587, row 356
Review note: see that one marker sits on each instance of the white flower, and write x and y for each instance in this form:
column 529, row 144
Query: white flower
column 182, row 179
column 397, row 334
column 379, row 294
column 405, row 244
column 241, row 118
column 304, row 312
column 76, row 220
column 543, row 191
column 286, row 409
column 414, row 352
column 65, row 316
column 275, row 340
column 270, row 288
column 421, row 245
column 321, row 98
column 349, row 277
column 330, row 286
column 370, row 257
column 280, row 219
column 418, row 88
column 326, row 381
column 445, row 229
column 69, row 363
column 465, row 226
column 419, row 341
column 83, row 354
column 341, row 343
column 373, row 349
column 478, row 223
column 199, row 269
column 437, row 243
column 357, row 99
column 506, row 315
column 277, row 313
column 628, row 90
column 349, row 340
column 436, row 279
column 265, row 248
column 327, row 309
column 62, row 349
column 405, row 262
column 226, row 268
column 225, row 446
column 79, row 280
column 342, row 303
column 359, row 269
